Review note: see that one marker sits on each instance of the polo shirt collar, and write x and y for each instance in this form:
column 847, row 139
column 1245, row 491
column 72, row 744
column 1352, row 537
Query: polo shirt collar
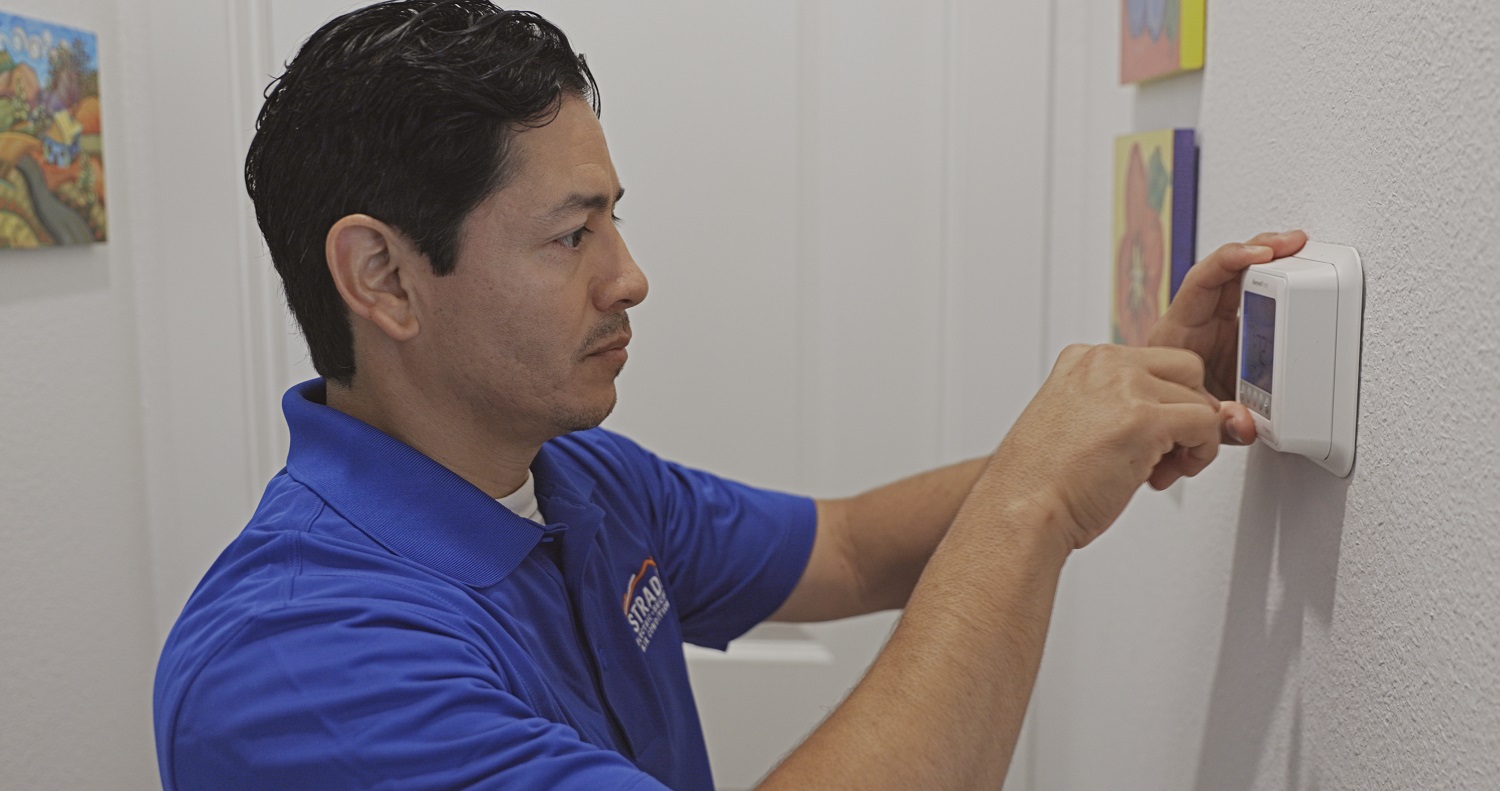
column 410, row 504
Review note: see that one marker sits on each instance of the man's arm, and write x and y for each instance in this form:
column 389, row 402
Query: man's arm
column 942, row 705
column 871, row 548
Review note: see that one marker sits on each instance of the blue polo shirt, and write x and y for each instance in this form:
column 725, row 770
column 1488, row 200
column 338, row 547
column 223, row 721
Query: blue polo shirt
column 383, row 624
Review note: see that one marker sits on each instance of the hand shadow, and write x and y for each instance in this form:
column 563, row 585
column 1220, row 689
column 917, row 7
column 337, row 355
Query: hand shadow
column 1286, row 561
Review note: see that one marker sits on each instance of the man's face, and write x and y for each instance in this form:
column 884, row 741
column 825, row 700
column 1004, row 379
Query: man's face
column 530, row 327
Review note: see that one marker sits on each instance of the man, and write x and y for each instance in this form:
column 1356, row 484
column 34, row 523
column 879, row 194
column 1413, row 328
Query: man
column 458, row 581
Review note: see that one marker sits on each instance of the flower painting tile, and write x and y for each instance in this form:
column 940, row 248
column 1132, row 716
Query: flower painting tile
column 51, row 152
column 1160, row 38
column 1156, row 206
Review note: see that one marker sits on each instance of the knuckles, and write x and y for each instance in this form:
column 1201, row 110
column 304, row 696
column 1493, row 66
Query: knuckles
column 1091, row 359
column 1195, row 362
column 1070, row 355
column 1228, row 250
column 1138, row 418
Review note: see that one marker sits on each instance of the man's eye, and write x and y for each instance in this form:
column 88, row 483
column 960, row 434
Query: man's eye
column 572, row 240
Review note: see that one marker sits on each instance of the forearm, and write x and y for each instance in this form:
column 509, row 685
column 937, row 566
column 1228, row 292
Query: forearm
column 942, row 706
column 893, row 530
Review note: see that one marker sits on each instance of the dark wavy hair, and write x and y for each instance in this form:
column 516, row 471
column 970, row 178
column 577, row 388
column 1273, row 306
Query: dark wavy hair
column 405, row 111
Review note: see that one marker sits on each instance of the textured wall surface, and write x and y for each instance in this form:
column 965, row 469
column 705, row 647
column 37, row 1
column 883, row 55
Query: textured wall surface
column 1267, row 625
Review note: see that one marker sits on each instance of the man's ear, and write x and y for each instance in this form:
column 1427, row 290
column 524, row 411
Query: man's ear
column 371, row 264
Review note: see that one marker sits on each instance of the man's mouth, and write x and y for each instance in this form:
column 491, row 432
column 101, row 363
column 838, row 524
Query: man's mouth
column 610, row 337
column 616, row 344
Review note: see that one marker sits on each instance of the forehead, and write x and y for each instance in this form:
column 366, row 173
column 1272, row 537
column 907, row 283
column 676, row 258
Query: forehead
column 566, row 156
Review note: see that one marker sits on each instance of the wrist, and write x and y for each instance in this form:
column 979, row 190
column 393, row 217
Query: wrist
column 1024, row 519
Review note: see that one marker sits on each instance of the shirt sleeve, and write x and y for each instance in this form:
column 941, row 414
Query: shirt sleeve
column 731, row 553
column 334, row 696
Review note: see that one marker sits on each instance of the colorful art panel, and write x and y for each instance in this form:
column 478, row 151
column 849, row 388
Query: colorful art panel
column 1159, row 38
column 51, row 149
column 1155, row 228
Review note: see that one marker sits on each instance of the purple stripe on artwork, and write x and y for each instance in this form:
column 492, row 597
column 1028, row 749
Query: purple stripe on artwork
column 1184, row 203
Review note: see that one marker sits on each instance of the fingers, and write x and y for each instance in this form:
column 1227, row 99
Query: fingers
column 1123, row 365
column 1163, row 391
column 1196, row 301
column 1238, row 427
column 1107, row 419
column 1168, row 471
column 1199, row 295
column 1195, row 435
column 1174, row 365
column 1172, row 425
column 1195, row 430
column 1283, row 244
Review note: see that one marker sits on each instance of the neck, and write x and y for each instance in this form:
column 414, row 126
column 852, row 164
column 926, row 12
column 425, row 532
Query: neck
column 482, row 453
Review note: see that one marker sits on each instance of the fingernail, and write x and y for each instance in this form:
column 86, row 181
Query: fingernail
column 1233, row 431
column 1259, row 249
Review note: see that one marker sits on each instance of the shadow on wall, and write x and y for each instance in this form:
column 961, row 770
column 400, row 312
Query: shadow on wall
column 1286, row 560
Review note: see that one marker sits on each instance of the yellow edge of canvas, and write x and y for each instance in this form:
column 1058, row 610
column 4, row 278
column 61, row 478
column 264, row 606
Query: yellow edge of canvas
column 1165, row 139
column 1122, row 150
column 1192, row 33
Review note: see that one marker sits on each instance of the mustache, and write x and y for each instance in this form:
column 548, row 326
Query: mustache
column 610, row 326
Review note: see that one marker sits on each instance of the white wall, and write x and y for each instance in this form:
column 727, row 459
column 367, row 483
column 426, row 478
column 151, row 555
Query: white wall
column 135, row 445
column 1267, row 625
column 77, row 644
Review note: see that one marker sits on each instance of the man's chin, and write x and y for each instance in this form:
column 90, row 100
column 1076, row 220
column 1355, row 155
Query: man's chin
column 585, row 418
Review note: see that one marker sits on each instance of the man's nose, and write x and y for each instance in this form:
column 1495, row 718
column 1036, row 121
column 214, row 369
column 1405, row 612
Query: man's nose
column 626, row 287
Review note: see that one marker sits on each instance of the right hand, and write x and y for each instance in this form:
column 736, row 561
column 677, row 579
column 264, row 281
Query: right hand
column 1108, row 419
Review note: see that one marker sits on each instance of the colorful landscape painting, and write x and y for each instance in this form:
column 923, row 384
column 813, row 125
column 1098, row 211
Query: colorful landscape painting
column 1156, row 218
column 1159, row 38
column 51, row 154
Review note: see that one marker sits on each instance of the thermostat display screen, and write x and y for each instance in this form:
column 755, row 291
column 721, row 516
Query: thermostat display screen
column 1259, row 340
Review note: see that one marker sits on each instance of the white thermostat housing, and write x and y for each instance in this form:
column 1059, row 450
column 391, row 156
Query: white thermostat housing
column 1301, row 321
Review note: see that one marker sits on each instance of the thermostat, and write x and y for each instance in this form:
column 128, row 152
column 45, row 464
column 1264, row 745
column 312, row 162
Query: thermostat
column 1301, row 321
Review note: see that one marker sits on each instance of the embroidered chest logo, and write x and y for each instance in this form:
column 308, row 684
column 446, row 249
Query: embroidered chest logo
column 645, row 603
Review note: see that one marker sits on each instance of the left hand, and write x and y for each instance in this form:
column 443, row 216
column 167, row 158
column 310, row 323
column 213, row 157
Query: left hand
column 1204, row 318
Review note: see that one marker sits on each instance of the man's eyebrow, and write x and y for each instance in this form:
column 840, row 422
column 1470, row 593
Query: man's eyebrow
column 597, row 201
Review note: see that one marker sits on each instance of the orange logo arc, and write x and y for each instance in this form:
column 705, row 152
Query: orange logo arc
column 630, row 589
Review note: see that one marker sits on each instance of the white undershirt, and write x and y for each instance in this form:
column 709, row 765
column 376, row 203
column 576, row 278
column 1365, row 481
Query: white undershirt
column 522, row 502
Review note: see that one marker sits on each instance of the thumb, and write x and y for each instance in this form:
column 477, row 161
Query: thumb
column 1236, row 425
